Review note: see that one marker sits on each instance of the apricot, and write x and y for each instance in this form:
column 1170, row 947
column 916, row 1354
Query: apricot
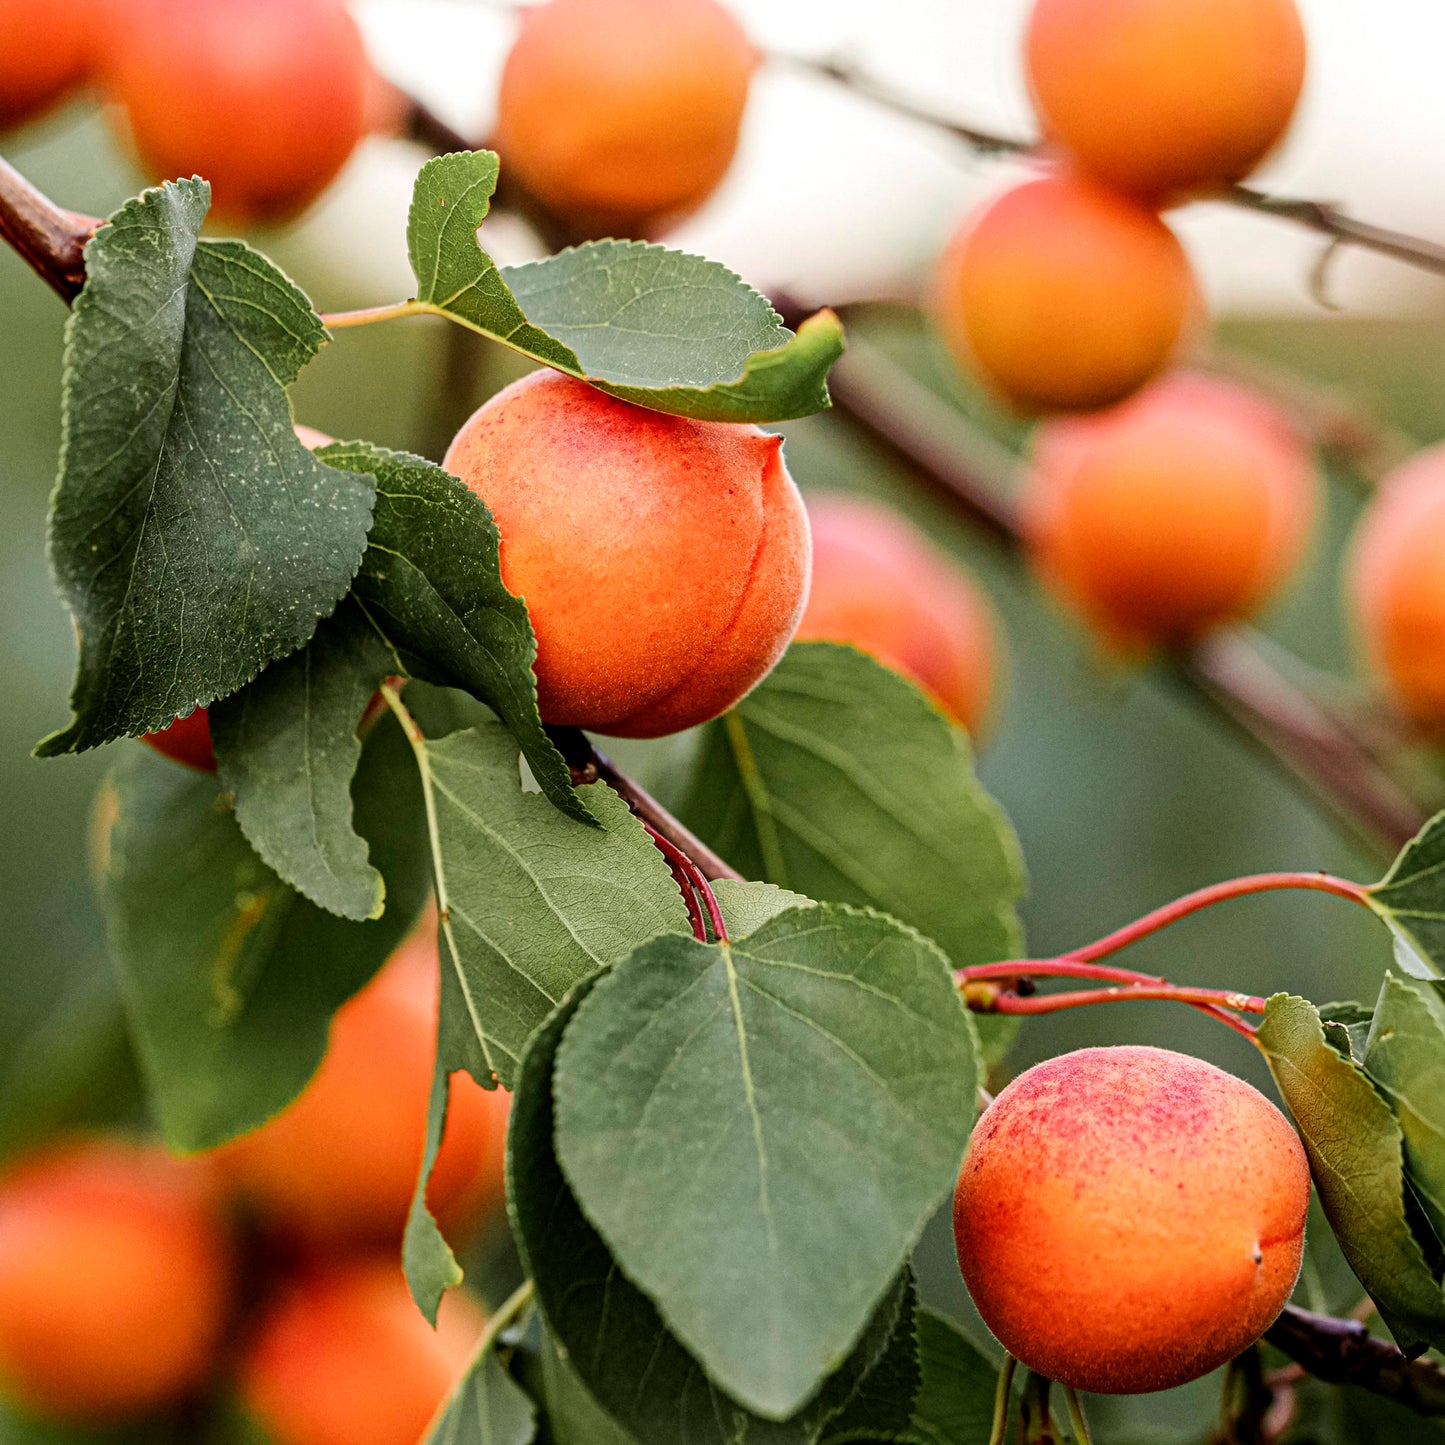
column 45, row 50
column 265, row 100
column 1396, row 586
column 343, row 1357
column 1176, row 511
column 1063, row 296
column 664, row 562
column 187, row 740
column 114, row 1280
column 622, row 115
column 1158, row 97
column 880, row 585
column 1128, row 1219
column 338, row 1165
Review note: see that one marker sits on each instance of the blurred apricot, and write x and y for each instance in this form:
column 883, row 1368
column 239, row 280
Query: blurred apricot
column 880, row 585
column 1180, row 509
column 114, row 1280
column 1157, row 97
column 46, row 48
column 1062, row 295
column 187, row 740
column 622, row 115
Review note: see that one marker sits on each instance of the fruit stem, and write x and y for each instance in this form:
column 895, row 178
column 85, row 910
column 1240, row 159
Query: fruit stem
column 1077, row 1421
column 1002, row 1396
column 696, row 890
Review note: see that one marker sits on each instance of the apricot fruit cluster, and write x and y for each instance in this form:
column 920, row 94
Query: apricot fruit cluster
column 1128, row 1219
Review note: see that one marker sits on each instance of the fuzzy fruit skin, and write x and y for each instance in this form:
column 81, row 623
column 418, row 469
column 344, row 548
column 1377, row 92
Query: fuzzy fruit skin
column 1159, row 97
column 1396, row 586
column 1062, row 295
column 1181, row 509
column 338, row 1165
column 1128, row 1219
column 622, row 115
column 344, row 1357
column 187, row 740
column 114, row 1280
column 45, row 50
column 881, row 586
column 664, row 561
column 266, row 99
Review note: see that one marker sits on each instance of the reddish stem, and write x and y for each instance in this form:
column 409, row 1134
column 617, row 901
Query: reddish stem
column 1214, row 1001
column 696, row 890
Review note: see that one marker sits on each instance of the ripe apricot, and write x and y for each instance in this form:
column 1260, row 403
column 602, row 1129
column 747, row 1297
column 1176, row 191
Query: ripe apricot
column 265, row 100
column 1174, row 512
column 880, row 585
column 1128, row 1219
column 621, row 115
column 1396, row 585
column 1156, row 97
column 1062, row 295
column 114, row 1280
column 338, row 1164
column 187, row 740
column 664, row 561
column 343, row 1357
column 45, row 49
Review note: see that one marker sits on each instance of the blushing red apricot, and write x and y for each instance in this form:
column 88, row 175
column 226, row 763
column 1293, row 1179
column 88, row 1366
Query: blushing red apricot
column 1127, row 1219
column 880, row 585
column 266, row 100
column 344, row 1357
column 114, row 1280
column 1063, row 296
column 187, row 740
column 45, row 50
column 664, row 561
column 622, row 115
column 1179, row 510
column 1156, row 97
column 1396, row 586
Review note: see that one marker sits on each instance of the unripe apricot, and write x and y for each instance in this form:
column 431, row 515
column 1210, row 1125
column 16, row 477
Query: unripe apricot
column 664, row 562
column 621, row 115
column 266, row 99
column 344, row 1357
column 338, row 1165
column 45, row 49
column 1176, row 511
column 114, row 1280
column 1128, row 1219
column 1062, row 295
column 880, row 585
column 1156, row 97
column 1396, row 585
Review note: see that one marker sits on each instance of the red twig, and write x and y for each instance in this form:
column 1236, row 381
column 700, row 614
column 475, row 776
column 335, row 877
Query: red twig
column 51, row 241
column 696, row 890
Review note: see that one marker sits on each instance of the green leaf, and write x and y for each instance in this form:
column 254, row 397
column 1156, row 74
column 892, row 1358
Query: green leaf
column 431, row 583
column 882, row 1408
column 1347, row 1024
column 955, row 1400
column 747, row 906
column 1411, row 899
column 839, row 779
column 287, row 749
column 1405, row 1059
column 1356, row 1156
column 656, row 327
column 486, row 1407
column 573, row 1415
column 797, row 1098
column 230, row 977
column 191, row 534
column 606, row 1329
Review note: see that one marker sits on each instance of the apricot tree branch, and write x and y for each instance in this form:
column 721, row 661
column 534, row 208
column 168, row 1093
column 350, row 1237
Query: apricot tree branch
column 51, row 241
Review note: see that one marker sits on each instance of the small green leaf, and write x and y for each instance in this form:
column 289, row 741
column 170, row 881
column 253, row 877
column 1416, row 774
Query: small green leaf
column 1357, row 1159
column 797, row 1098
column 747, row 906
column 656, row 327
column 882, row 1408
column 573, row 1415
column 955, row 1400
column 1411, row 899
column 191, row 534
column 486, row 1407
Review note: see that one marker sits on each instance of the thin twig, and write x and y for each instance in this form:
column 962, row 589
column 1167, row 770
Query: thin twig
column 50, row 240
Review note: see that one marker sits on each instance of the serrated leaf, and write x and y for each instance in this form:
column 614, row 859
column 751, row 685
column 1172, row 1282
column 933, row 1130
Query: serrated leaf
column 796, row 1098
column 1411, row 899
column 1349, row 1021
column 1356, row 1155
column 882, row 1407
column 230, row 977
column 608, row 1331
column 192, row 536
column 486, row 1407
column 839, row 779
column 650, row 325
column 747, row 906
column 287, row 750
column 955, row 1398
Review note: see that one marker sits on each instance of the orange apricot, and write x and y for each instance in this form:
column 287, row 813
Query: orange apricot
column 1127, row 1219
column 1158, row 97
column 114, row 1280
column 880, row 585
column 46, row 48
column 664, row 562
column 1178, row 510
column 265, row 100
column 187, row 740
column 1063, row 296
column 1396, row 586
column 622, row 115
column 343, row 1357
